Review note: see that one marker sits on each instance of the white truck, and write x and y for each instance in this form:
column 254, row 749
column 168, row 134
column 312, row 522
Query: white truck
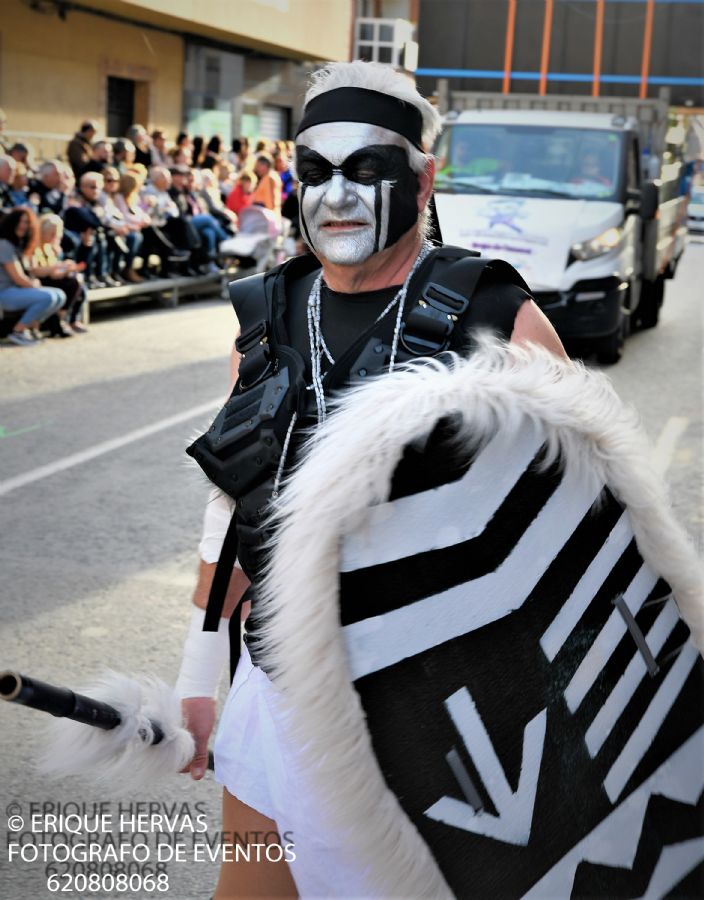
column 563, row 195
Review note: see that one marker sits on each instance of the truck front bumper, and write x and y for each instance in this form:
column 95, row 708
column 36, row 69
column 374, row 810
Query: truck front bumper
column 590, row 309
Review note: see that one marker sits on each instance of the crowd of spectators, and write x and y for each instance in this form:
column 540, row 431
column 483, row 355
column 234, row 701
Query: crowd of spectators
column 122, row 211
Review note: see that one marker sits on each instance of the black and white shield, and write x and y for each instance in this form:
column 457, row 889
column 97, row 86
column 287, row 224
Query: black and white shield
column 502, row 689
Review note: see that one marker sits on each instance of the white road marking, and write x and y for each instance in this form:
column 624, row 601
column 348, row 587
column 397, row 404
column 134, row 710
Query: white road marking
column 666, row 444
column 75, row 459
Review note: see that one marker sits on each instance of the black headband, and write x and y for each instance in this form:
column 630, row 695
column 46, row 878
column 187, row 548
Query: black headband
column 353, row 104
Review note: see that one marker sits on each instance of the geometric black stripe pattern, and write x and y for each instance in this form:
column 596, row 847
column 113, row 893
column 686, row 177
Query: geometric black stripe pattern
column 504, row 683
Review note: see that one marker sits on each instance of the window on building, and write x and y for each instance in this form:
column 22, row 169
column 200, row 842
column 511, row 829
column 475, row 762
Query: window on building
column 120, row 111
column 275, row 123
column 381, row 40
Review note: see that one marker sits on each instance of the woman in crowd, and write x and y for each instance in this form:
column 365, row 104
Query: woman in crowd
column 184, row 146
column 19, row 193
column 198, row 151
column 213, row 153
column 227, row 175
column 18, row 290
column 153, row 240
column 123, row 154
column 142, row 144
column 211, row 196
column 160, row 156
column 124, row 238
column 242, row 195
column 210, row 231
column 53, row 270
column 241, row 155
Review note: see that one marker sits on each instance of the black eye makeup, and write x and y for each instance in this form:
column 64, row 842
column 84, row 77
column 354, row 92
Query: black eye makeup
column 369, row 165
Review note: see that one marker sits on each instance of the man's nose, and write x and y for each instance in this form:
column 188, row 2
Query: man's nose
column 338, row 194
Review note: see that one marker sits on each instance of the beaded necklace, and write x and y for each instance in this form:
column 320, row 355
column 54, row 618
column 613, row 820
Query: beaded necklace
column 320, row 350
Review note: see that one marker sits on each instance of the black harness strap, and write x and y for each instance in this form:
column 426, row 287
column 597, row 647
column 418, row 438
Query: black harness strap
column 427, row 330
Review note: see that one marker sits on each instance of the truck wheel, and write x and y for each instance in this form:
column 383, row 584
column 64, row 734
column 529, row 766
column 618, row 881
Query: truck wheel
column 651, row 297
column 609, row 350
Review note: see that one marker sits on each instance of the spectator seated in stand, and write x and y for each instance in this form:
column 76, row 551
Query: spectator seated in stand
column 123, row 241
column 197, row 151
column 49, row 266
column 183, row 145
column 139, row 137
column 153, row 240
column 123, row 155
column 7, row 175
column 209, row 233
column 213, row 153
column 19, row 193
column 227, row 176
column 242, row 195
column 79, row 148
column 282, row 164
column 241, row 155
column 211, row 196
column 159, row 153
column 101, row 157
column 268, row 190
column 85, row 216
column 19, row 292
column 46, row 191
column 23, row 154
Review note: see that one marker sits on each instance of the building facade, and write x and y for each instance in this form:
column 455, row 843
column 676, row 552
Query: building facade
column 230, row 67
column 631, row 48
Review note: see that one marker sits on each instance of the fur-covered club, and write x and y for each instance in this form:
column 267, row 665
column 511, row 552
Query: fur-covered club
column 485, row 626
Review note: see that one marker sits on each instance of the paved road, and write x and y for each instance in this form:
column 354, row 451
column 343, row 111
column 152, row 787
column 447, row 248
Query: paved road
column 99, row 511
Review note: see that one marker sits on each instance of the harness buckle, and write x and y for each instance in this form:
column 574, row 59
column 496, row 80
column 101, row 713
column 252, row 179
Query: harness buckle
column 257, row 334
column 429, row 325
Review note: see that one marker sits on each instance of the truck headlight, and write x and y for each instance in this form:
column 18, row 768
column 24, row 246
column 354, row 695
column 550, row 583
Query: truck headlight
column 603, row 243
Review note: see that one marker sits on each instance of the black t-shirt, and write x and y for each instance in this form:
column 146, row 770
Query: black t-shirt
column 344, row 317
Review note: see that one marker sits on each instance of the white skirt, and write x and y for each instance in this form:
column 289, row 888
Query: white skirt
column 254, row 763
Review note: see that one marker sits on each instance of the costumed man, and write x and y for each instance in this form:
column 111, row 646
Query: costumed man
column 308, row 329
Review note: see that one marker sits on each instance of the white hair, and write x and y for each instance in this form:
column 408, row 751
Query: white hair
column 385, row 80
column 48, row 166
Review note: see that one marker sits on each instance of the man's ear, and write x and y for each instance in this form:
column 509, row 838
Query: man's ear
column 426, row 179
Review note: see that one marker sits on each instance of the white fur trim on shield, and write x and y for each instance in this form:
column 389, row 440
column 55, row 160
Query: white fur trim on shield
column 119, row 758
column 348, row 468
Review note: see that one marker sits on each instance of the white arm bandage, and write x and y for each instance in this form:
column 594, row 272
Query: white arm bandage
column 218, row 512
column 204, row 656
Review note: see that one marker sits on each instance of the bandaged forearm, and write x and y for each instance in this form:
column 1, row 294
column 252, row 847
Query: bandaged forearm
column 218, row 513
column 204, row 656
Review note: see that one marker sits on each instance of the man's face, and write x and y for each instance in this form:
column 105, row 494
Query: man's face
column 7, row 170
column 51, row 178
column 358, row 194
column 161, row 181
column 103, row 152
column 91, row 186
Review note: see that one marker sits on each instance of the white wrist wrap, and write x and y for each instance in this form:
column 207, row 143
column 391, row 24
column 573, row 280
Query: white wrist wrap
column 216, row 520
column 204, row 656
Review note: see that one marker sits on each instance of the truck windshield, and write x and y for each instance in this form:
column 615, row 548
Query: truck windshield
column 540, row 161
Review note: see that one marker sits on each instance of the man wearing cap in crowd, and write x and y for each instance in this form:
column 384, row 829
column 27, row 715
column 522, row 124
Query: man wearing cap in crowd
column 366, row 178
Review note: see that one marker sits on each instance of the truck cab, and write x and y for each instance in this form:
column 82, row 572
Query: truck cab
column 561, row 196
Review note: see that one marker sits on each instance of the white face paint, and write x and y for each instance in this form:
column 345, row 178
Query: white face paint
column 345, row 221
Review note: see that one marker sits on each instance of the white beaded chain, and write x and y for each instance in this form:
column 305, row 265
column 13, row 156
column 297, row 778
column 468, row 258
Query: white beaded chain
column 318, row 347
